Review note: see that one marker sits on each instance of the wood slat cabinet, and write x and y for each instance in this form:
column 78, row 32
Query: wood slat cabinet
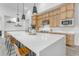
column 70, row 39
column 62, row 9
column 70, row 10
column 63, row 16
column 64, row 12
column 39, row 22
column 54, row 21
column 70, row 6
column 70, row 14
column 54, row 18
column 34, row 20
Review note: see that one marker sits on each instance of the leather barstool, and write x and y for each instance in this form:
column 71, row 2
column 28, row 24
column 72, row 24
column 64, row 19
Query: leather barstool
column 22, row 50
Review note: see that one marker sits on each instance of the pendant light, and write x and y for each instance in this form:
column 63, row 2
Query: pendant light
column 18, row 19
column 34, row 9
column 23, row 16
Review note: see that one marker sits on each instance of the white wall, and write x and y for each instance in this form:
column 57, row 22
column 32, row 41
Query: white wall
column 0, row 23
column 12, row 13
column 29, row 17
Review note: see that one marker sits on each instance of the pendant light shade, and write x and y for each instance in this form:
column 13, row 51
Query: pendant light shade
column 34, row 9
column 17, row 19
column 23, row 15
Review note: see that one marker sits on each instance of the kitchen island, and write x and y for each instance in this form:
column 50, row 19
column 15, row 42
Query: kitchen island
column 43, row 44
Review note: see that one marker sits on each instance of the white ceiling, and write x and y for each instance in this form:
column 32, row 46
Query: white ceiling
column 11, row 8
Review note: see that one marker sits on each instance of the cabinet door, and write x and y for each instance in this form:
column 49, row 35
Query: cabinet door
column 39, row 23
column 63, row 16
column 54, row 12
column 38, row 17
column 70, row 39
column 54, row 21
column 62, row 8
column 50, row 14
column 34, row 22
column 57, row 20
column 70, row 14
column 41, row 16
column 34, row 18
column 70, row 6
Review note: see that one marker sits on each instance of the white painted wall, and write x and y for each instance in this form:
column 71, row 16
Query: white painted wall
column 11, row 26
column 0, row 23
column 29, row 17
column 10, row 13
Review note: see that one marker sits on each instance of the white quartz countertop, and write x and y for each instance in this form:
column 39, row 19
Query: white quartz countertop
column 36, row 42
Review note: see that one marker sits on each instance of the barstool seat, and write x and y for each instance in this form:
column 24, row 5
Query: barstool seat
column 12, row 40
column 24, row 51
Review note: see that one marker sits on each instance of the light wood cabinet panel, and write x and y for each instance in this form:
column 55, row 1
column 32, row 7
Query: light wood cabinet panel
column 70, row 14
column 33, row 17
column 50, row 14
column 70, row 39
column 39, row 23
column 63, row 12
column 34, row 20
column 57, row 20
column 54, row 21
column 63, row 9
column 41, row 16
column 38, row 17
column 47, row 15
column 63, row 16
column 70, row 6
column 54, row 12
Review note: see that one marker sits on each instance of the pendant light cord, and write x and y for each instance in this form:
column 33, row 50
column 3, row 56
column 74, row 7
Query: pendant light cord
column 17, row 10
column 23, row 8
column 23, row 15
column 34, row 4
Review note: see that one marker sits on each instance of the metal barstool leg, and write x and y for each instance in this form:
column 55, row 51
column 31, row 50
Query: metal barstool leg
column 6, row 44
